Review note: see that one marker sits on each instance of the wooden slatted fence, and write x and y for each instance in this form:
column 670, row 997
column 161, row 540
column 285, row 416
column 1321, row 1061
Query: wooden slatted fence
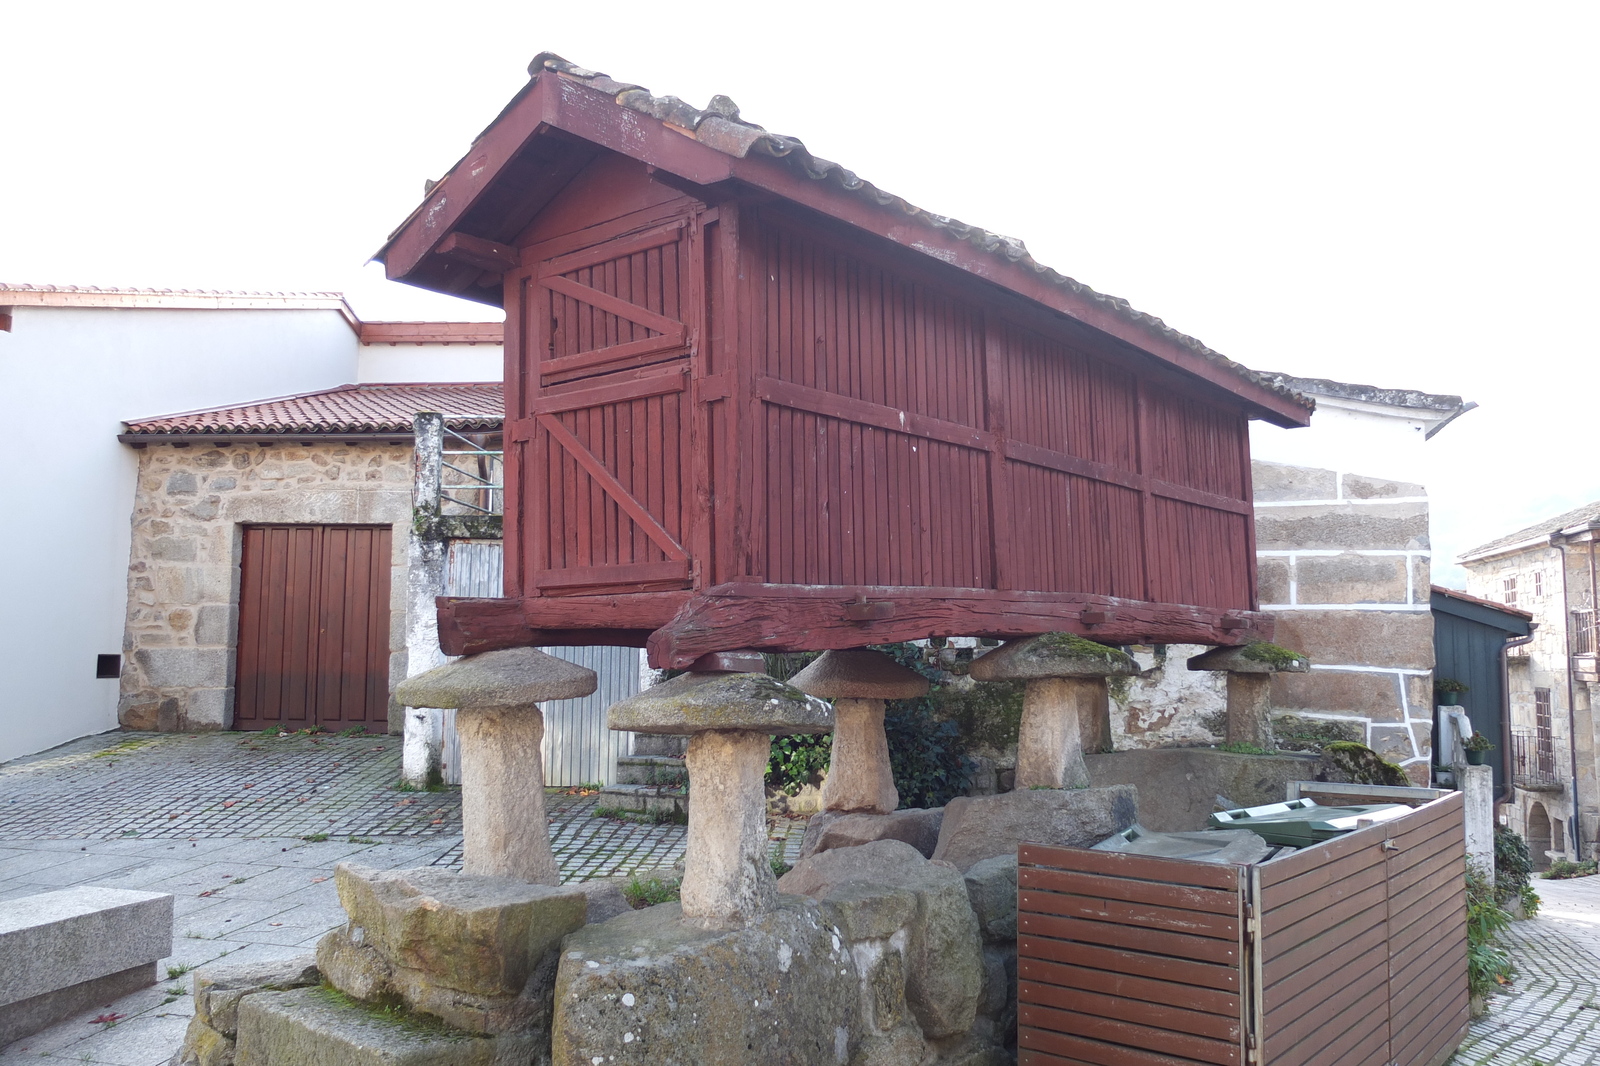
column 1351, row 953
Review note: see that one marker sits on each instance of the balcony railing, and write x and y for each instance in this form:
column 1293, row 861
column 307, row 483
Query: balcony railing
column 1533, row 761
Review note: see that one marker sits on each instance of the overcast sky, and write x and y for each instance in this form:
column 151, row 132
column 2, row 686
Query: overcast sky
column 1402, row 195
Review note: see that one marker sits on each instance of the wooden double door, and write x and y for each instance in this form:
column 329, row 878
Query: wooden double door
column 313, row 628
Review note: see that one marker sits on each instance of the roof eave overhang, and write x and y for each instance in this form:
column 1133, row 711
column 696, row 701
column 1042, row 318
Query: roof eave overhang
column 551, row 102
column 388, row 436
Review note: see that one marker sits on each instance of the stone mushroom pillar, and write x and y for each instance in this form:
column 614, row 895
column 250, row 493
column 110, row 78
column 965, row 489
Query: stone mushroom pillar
column 496, row 696
column 1250, row 669
column 730, row 720
column 1063, row 699
column 858, row 681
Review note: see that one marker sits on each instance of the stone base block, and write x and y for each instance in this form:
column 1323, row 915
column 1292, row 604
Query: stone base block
column 937, row 937
column 63, row 951
column 28, row 1016
column 977, row 828
column 476, row 952
column 218, row 990
column 311, row 1025
column 649, row 988
column 832, row 829
column 1179, row 787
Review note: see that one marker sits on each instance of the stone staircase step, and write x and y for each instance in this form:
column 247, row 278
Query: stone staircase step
column 660, row 744
column 649, row 769
column 309, row 1025
column 645, row 799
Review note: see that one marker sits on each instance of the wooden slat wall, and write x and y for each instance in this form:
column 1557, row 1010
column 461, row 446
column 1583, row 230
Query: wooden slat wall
column 916, row 437
column 1128, row 960
column 1363, row 945
column 1358, row 957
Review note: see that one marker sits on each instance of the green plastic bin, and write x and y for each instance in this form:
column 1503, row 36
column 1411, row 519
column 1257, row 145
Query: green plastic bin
column 1301, row 823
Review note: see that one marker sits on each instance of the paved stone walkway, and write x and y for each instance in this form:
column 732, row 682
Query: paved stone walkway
column 1551, row 1014
column 244, row 830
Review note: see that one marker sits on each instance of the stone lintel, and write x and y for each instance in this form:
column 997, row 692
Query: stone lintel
column 514, row 677
column 698, row 703
column 1053, row 655
column 859, row 673
column 1255, row 658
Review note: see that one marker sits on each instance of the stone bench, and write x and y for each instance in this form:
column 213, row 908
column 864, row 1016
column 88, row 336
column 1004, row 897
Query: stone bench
column 61, row 952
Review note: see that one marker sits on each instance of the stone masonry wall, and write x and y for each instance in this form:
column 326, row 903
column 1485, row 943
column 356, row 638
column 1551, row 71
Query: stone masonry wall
column 1343, row 561
column 1532, row 579
column 183, row 573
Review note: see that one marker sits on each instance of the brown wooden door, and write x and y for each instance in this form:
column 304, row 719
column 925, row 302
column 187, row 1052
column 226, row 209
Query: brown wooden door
column 610, row 327
column 313, row 627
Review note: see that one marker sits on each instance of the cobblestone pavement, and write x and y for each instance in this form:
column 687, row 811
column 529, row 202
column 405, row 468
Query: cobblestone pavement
column 1551, row 1014
column 244, row 830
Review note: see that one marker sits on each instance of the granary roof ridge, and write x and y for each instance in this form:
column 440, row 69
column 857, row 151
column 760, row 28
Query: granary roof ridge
column 1579, row 516
column 365, row 408
column 719, row 126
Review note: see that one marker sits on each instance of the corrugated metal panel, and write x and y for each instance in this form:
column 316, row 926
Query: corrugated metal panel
column 578, row 748
column 474, row 568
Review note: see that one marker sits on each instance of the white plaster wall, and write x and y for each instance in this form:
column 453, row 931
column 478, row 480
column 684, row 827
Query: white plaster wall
column 70, row 376
column 1363, row 439
column 430, row 362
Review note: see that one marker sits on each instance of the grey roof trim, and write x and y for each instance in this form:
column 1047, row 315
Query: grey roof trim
column 1411, row 398
column 1573, row 521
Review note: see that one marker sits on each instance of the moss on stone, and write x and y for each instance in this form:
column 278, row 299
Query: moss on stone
column 1360, row 765
column 988, row 715
column 1274, row 655
column 1073, row 644
column 1296, row 733
column 390, row 1011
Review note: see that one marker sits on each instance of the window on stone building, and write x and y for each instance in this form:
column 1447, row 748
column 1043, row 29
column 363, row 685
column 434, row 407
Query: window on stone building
column 1538, row 583
column 1510, row 585
column 1544, row 736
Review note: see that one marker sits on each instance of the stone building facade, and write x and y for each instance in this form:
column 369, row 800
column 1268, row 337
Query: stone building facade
column 183, row 574
column 341, row 457
column 1550, row 569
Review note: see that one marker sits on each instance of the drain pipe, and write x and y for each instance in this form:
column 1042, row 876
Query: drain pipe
column 1575, row 823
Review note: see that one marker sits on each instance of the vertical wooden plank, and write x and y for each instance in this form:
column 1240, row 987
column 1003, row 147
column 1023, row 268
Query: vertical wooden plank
column 996, row 399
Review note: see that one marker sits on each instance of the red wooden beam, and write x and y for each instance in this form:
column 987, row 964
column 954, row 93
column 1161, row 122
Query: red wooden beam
column 682, row 627
column 475, row 251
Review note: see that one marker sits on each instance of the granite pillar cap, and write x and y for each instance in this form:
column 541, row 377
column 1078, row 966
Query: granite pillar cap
column 859, row 674
column 514, row 677
column 697, row 703
column 1257, row 658
column 1052, row 655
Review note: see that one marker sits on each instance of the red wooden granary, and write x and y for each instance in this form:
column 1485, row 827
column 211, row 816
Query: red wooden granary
column 755, row 402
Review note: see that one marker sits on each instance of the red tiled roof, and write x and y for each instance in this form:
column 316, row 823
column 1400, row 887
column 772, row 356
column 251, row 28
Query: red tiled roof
column 378, row 408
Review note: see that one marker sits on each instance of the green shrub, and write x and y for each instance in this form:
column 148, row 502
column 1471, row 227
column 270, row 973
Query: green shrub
column 647, row 892
column 1562, row 869
column 927, row 755
column 798, row 761
column 1513, row 868
column 1488, row 963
